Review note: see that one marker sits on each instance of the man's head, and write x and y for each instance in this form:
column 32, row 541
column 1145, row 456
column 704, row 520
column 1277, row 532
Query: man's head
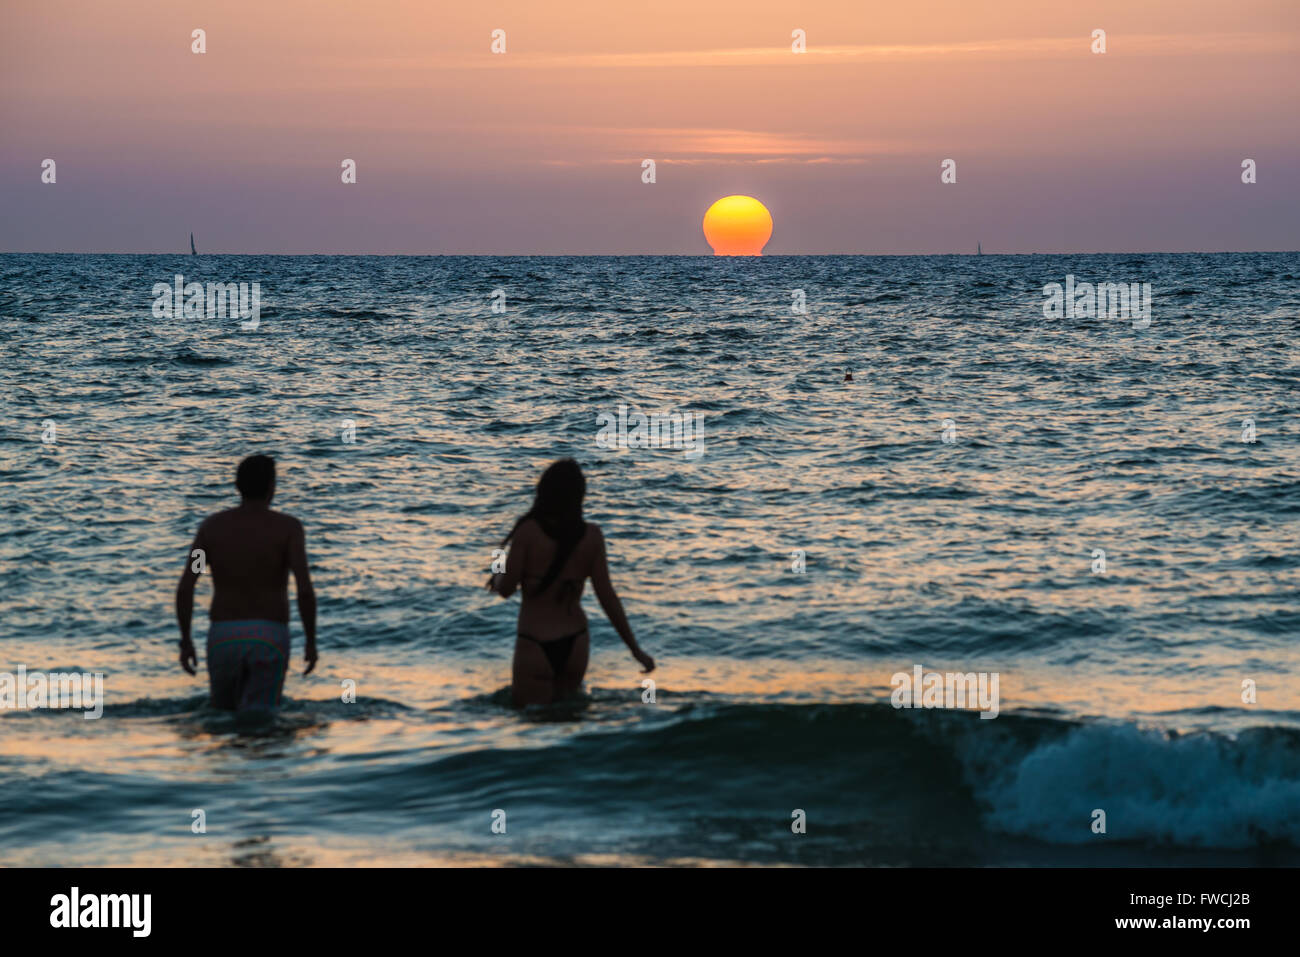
column 256, row 478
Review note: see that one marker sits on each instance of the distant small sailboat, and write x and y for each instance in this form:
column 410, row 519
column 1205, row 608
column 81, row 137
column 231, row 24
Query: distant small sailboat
column 193, row 251
column 979, row 248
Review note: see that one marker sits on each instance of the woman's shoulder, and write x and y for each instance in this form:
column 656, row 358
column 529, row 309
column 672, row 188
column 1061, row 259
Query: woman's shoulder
column 528, row 528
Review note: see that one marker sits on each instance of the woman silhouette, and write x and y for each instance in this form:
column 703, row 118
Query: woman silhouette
column 552, row 553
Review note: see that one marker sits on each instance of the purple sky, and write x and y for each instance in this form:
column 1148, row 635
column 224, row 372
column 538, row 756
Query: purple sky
column 539, row 149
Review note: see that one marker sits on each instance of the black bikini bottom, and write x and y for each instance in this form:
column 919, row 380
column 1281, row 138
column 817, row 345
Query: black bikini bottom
column 557, row 650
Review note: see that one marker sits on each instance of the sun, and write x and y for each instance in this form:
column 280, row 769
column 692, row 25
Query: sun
column 737, row 226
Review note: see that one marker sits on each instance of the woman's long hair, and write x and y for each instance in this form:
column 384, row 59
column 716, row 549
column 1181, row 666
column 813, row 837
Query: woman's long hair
column 557, row 508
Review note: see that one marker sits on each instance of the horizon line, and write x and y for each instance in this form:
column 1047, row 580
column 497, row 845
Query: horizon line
column 666, row 255
column 1120, row 252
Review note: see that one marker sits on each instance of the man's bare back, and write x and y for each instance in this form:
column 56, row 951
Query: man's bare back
column 250, row 551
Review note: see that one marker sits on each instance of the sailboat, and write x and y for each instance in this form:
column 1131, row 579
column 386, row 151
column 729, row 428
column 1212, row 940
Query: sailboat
column 979, row 249
column 193, row 251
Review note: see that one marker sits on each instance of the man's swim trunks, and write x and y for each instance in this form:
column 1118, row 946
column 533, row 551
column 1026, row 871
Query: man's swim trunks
column 247, row 661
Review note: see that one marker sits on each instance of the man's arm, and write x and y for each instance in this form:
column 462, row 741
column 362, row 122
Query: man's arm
column 185, row 599
column 306, row 594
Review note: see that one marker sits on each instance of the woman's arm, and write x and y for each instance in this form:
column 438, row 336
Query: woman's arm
column 609, row 601
column 505, row 583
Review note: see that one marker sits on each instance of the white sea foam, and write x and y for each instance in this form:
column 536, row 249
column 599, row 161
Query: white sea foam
column 1199, row 790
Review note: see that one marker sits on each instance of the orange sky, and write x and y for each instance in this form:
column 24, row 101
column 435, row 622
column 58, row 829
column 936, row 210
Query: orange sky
column 540, row 149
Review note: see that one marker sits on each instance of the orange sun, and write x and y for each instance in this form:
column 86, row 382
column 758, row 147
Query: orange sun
column 737, row 226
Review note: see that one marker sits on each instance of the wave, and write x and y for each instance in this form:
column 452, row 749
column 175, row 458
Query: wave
column 701, row 775
column 1200, row 790
column 188, row 357
column 357, row 314
column 935, row 777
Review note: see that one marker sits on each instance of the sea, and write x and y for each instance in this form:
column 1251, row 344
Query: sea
column 1102, row 511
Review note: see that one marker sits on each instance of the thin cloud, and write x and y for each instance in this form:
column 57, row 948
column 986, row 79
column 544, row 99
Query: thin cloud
column 693, row 146
column 1011, row 48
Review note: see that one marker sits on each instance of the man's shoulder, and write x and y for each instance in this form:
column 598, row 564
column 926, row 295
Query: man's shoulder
column 287, row 520
column 216, row 519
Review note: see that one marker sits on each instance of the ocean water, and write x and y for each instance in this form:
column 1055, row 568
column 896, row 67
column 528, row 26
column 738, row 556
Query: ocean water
column 1120, row 691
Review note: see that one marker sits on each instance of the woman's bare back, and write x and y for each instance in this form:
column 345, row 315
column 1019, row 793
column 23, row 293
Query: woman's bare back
column 557, row 611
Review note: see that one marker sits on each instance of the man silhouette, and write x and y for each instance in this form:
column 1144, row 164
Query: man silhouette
column 250, row 550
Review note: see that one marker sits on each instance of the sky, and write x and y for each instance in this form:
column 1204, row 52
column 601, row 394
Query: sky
column 540, row 150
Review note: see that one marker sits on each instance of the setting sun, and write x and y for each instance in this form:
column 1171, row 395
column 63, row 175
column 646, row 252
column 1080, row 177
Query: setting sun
column 737, row 226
